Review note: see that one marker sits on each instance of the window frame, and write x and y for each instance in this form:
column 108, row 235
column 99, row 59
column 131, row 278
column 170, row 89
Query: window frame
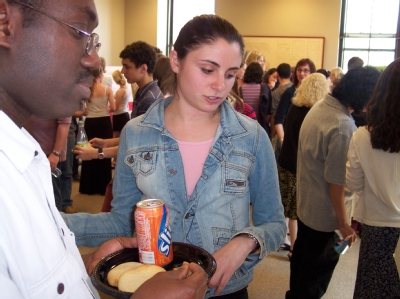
column 343, row 35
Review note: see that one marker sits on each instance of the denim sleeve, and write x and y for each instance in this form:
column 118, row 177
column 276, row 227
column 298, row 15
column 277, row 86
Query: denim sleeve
column 267, row 214
column 93, row 230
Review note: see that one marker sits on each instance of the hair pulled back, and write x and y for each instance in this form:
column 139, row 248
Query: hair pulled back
column 205, row 29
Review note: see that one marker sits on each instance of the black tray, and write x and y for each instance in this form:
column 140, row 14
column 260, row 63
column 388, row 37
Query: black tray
column 182, row 252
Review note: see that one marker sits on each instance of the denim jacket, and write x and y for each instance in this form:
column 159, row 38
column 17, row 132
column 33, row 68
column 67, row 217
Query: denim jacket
column 240, row 169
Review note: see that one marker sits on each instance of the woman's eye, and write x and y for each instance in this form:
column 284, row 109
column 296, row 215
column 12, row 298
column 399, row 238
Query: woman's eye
column 229, row 76
column 206, row 71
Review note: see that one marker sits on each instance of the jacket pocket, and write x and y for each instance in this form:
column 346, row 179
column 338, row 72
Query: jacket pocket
column 235, row 171
column 142, row 163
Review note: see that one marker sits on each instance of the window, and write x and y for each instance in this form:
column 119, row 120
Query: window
column 173, row 14
column 369, row 30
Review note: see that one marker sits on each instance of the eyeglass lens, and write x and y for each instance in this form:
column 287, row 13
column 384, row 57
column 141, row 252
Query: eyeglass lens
column 93, row 44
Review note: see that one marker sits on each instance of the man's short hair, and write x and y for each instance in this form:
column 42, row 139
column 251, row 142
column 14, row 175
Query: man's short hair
column 284, row 70
column 140, row 53
column 355, row 62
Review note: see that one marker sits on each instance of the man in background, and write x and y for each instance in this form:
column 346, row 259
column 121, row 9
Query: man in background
column 354, row 62
column 138, row 64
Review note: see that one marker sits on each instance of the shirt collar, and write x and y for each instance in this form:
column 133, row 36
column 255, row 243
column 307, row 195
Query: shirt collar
column 144, row 89
column 230, row 123
column 16, row 144
column 331, row 101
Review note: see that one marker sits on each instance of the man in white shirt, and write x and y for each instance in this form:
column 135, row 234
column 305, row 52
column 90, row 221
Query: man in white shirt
column 38, row 255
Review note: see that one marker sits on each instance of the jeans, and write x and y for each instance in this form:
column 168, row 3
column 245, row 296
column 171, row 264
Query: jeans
column 241, row 294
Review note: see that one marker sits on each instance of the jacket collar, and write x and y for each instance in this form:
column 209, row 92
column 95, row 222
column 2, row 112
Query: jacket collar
column 231, row 124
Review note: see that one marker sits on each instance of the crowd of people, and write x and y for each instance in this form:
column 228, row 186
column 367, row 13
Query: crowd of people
column 249, row 161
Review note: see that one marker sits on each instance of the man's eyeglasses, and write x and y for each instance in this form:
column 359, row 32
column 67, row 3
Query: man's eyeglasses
column 305, row 71
column 93, row 39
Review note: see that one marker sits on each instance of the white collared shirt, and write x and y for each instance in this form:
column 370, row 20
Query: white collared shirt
column 38, row 255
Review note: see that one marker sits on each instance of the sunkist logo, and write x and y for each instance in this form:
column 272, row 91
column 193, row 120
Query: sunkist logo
column 164, row 235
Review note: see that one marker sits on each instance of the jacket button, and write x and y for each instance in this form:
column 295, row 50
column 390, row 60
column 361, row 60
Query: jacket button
column 187, row 216
column 60, row 288
column 173, row 171
column 131, row 160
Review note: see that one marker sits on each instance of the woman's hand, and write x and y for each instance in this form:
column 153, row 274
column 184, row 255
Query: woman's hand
column 85, row 153
column 229, row 258
column 98, row 142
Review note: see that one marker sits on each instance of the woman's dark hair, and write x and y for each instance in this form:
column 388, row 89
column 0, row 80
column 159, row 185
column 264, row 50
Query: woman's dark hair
column 253, row 73
column 268, row 73
column 383, row 110
column 303, row 62
column 165, row 75
column 356, row 87
column 205, row 29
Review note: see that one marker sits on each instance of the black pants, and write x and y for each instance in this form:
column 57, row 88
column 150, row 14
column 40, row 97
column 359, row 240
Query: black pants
column 241, row 294
column 313, row 261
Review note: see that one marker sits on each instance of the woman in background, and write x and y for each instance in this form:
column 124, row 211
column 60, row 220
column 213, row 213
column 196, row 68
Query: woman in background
column 335, row 76
column 303, row 68
column 373, row 167
column 257, row 94
column 122, row 97
column 271, row 79
column 96, row 174
column 312, row 89
column 255, row 56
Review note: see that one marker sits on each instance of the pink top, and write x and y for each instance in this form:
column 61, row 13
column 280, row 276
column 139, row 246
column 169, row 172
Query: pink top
column 194, row 155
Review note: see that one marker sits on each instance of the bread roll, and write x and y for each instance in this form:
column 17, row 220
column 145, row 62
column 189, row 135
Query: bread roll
column 115, row 273
column 132, row 279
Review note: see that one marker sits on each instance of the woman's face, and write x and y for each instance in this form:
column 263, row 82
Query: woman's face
column 332, row 77
column 302, row 71
column 273, row 78
column 206, row 75
column 240, row 72
column 261, row 61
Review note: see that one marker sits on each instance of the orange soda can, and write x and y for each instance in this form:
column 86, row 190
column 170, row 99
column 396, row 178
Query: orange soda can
column 153, row 232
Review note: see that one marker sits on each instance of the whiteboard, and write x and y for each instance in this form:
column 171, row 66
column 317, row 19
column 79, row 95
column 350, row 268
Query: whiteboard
column 280, row 49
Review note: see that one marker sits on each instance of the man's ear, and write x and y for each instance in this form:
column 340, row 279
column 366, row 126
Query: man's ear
column 143, row 68
column 174, row 61
column 4, row 24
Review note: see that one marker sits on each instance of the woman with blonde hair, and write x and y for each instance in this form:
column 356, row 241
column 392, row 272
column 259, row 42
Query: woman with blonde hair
column 313, row 88
column 255, row 56
column 122, row 97
column 335, row 76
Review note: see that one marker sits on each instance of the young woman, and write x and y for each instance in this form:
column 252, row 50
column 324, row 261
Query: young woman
column 271, row 79
column 96, row 174
column 206, row 161
column 122, row 97
column 373, row 167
